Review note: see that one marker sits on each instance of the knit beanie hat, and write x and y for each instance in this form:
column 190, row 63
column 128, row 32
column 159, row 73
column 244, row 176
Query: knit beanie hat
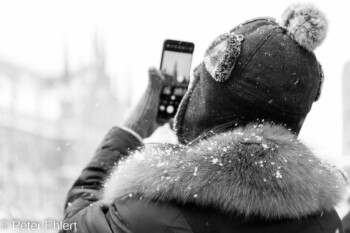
column 259, row 71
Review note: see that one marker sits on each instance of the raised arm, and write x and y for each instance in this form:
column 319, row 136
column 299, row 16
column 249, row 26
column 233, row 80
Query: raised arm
column 118, row 142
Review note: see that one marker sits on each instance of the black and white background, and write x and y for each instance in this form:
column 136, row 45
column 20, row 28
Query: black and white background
column 69, row 70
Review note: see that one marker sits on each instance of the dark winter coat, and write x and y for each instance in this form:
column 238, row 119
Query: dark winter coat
column 253, row 179
column 346, row 223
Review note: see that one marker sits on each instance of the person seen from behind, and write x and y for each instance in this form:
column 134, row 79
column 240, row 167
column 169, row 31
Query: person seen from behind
column 239, row 166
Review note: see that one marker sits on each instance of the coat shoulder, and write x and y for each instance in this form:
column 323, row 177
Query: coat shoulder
column 210, row 220
column 147, row 216
column 257, row 170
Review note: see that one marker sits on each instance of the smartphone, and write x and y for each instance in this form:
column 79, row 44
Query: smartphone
column 175, row 65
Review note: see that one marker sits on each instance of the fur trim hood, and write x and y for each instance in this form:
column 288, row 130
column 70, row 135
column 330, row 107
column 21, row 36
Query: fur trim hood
column 259, row 170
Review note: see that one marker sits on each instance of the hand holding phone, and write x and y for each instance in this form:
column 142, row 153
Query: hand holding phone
column 175, row 66
column 143, row 117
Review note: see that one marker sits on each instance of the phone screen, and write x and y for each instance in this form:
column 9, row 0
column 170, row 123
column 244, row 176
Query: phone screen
column 176, row 66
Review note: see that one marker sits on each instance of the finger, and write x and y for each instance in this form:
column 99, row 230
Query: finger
column 155, row 76
column 152, row 70
column 160, row 74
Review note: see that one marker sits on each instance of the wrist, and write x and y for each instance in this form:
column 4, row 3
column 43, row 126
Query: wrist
column 134, row 127
column 132, row 132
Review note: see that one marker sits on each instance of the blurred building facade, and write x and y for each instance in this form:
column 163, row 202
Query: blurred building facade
column 49, row 128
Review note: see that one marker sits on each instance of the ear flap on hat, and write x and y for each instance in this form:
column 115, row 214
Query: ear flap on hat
column 321, row 82
column 221, row 56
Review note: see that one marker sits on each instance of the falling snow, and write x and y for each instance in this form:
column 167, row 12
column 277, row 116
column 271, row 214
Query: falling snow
column 195, row 171
column 278, row 174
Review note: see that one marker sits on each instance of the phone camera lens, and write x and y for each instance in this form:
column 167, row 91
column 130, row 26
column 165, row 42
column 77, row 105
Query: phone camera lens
column 170, row 109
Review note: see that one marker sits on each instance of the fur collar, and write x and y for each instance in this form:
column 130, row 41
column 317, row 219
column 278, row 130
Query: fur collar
column 256, row 170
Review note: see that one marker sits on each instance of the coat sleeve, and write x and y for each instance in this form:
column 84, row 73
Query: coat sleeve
column 86, row 190
column 346, row 223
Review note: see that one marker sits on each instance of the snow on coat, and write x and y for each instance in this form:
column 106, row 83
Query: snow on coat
column 259, row 170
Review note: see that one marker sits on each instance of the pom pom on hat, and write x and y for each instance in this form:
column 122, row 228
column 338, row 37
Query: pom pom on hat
column 307, row 24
